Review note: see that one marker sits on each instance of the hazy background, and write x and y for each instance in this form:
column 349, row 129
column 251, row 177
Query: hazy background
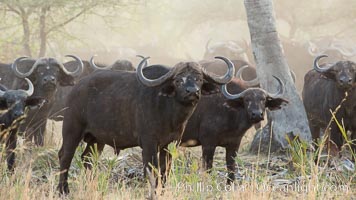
column 166, row 30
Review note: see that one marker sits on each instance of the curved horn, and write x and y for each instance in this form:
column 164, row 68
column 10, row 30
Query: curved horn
column 152, row 82
column 280, row 88
column 292, row 74
column 241, row 94
column 143, row 57
column 317, row 67
column 226, row 77
column 235, row 46
column 250, row 83
column 343, row 51
column 79, row 69
column 95, row 67
column 232, row 96
column 2, row 92
column 30, row 89
column 207, row 48
column 17, row 72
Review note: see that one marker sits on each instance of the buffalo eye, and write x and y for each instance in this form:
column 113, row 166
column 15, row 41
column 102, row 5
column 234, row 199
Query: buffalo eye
column 198, row 79
column 179, row 82
column 10, row 102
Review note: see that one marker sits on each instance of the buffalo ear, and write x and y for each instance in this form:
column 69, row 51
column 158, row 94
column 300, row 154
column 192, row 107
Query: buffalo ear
column 167, row 91
column 275, row 103
column 34, row 101
column 234, row 103
column 3, row 104
column 66, row 80
column 209, row 88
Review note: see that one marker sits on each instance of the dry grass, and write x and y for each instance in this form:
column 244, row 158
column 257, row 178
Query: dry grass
column 292, row 176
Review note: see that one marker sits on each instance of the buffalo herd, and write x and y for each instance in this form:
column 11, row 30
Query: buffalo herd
column 209, row 103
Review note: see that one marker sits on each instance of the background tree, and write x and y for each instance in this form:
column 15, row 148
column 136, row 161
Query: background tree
column 307, row 17
column 268, row 54
column 41, row 20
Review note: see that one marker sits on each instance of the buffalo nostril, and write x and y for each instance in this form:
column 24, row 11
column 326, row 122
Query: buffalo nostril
column 192, row 90
column 350, row 80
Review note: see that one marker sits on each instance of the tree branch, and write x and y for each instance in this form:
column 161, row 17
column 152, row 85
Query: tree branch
column 67, row 21
column 12, row 9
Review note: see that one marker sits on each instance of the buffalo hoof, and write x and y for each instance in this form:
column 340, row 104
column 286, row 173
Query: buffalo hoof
column 230, row 179
column 63, row 188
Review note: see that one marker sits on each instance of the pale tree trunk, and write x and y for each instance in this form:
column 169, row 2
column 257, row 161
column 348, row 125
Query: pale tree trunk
column 291, row 120
column 43, row 34
column 26, row 36
column 26, row 30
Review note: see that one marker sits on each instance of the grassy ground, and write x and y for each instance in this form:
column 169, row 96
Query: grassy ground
column 291, row 176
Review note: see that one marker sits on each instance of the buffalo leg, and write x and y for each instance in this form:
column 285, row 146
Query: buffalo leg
column 208, row 156
column 86, row 154
column 39, row 135
column 10, row 148
column 336, row 137
column 315, row 131
column 231, row 152
column 71, row 137
column 29, row 134
column 230, row 163
column 165, row 163
column 149, row 156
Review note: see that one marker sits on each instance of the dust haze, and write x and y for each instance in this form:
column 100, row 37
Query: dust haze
column 173, row 30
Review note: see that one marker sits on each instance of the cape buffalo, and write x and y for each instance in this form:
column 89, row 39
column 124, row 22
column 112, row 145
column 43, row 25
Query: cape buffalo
column 230, row 49
column 58, row 107
column 14, row 102
column 46, row 75
column 125, row 109
column 223, row 119
column 248, row 73
column 117, row 65
column 57, row 110
column 324, row 89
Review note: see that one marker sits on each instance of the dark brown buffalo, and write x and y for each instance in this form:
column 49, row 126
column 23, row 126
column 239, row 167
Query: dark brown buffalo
column 58, row 107
column 117, row 65
column 46, row 74
column 14, row 102
column 223, row 119
column 125, row 109
column 248, row 73
column 324, row 89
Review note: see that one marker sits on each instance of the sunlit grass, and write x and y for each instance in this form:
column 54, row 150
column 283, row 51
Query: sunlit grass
column 292, row 176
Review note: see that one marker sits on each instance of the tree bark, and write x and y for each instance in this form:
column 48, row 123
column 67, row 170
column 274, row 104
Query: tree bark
column 43, row 34
column 291, row 120
column 26, row 32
